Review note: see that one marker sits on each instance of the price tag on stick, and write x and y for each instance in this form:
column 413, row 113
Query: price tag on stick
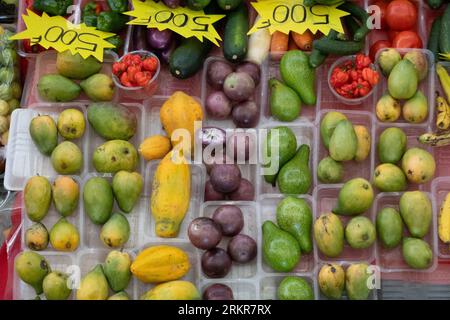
column 187, row 23
column 293, row 15
column 62, row 35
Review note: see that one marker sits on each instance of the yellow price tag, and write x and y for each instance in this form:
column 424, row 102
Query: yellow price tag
column 293, row 15
column 62, row 35
column 186, row 22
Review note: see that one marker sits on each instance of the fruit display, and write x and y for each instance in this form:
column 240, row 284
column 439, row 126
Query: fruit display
column 288, row 166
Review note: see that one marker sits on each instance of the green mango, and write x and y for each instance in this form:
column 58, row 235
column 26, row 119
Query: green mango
column 331, row 280
column 112, row 120
column 75, row 66
column 387, row 108
column 403, row 80
column 122, row 295
column 56, row 88
column 98, row 87
column 389, row 178
column 415, row 110
column 330, row 171
column 285, row 104
column 389, row 227
column 416, row 212
column 93, row 285
column 71, row 124
column 64, row 236
column 115, row 155
column 116, row 231
column 37, row 197
column 387, row 60
column 44, row 134
column 420, row 62
column 329, row 234
column 392, row 145
column 32, row 268
column 295, row 288
column 360, row 233
column 356, row 278
column 295, row 176
column 98, row 199
column 355, row 197
column 294, row 215
column 66, row 194
column 281, row 251
column 285, row 139
column 55, row 286
column 344, row 142
column 417, row 253
column 127, row 188
column 117, row 270
column 328, row 124
column 298, row 74
column 418, row 165
column 67, row 158
column 37, row 237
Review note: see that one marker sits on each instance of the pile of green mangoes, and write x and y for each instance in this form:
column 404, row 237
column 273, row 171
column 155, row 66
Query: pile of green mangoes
column 98, row 200
column 416, row 214
column 38, row 195
column 283, row 245
column 404, row 75
column 33, row 269
column 345, row 142
column 61, row 87
column 417, row 165
column 293, row 174
column 355, row 198
column 333, row 280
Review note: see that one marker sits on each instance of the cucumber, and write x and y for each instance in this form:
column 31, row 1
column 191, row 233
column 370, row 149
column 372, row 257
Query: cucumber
column 197, row 4
column 309, row 3
column 188, row 58
column 444, row 37
column 351, row 24
column 361, row 15
column 235, row 39
column 229, row 4
column 336, row 47
column 434, row 4
column 433, row 39
column 317, row 57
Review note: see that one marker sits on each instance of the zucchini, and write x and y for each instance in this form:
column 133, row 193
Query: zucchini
column 433, row 39
column 336, row 47
column 228, row 5
column 197, row 4
column 188, row 58
column 434, row 4
column 235, row 39
column 444, row 37
column 317, row 57
column 361, row 15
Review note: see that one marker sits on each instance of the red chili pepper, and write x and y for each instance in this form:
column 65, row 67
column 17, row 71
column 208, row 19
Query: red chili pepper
column 118, row 68
column 124, row 80
column 339, row 78
column 132, row 70
column 142, row 78
column 150, row 64
column 98, row 9
column 362, row 61
column 136, row 60
column 370, row 76
column 354, row 75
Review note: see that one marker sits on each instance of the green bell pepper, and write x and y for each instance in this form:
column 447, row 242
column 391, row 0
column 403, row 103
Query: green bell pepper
column 90, row 9
column 110, row 21
column 90, row 20
column 117, row 41
column 118, row 5
column 53, row 7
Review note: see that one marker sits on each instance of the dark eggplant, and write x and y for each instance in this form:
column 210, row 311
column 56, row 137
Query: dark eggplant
column 159, row 40
column 139, row 40
column 172, row 3
column 165, row 54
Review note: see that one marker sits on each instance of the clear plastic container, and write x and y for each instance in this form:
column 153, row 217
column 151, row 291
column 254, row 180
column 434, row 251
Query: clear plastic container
column 391, row 260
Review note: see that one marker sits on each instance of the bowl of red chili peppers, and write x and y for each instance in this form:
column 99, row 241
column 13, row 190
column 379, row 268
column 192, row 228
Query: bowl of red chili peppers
column 136, row 74
column 352, row 79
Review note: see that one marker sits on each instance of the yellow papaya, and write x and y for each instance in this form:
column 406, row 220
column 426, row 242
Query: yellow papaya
column 444, row 220
column 173, row 290
column 170, row 196
column 160, row 264
column 154, row 147
column 180, row 111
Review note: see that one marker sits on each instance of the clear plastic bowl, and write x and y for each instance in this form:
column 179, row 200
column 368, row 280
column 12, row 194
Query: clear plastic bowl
column 344, row 100
column 139, row 93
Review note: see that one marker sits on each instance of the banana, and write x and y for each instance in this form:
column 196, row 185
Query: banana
column 444, row 78
column 443, row 113
column 444, row 220
column 435, row 140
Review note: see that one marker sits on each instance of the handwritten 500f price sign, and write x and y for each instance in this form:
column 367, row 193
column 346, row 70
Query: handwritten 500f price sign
column 293, row 15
